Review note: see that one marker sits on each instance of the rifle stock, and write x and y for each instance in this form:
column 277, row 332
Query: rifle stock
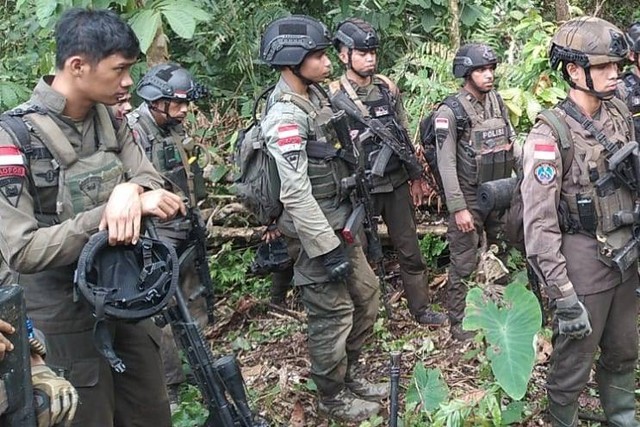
column 15, row 369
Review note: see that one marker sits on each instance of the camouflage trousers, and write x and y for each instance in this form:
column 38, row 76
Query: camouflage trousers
column 613, row 315
column 398, row 213
column 463, row 255
column 340, row 317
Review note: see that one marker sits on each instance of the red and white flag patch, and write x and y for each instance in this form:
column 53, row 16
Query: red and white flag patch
column 10, row 156
column 441, row 123
column 289, row 138
column 544, row 152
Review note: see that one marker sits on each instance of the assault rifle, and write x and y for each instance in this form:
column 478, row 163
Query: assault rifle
column 362, row 216
column 390, row 143
column 16, row 392
column 215, row 378
column 198, row 238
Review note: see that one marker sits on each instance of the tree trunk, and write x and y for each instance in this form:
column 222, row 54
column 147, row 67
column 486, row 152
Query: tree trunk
column 454, row 36
column 562, row 11
column 158, row 52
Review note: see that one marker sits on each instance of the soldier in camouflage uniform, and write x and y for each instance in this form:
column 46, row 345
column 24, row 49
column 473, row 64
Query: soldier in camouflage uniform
column 395, row 194
column 339, row 290
column 482, row 151
column 167, row 90
column 577, row 226
column 66, row 174
column 629, row 85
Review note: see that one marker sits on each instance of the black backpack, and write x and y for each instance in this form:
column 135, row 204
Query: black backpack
column 428, row 136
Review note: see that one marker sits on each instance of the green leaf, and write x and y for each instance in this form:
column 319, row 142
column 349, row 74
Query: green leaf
column 180, row 22
column 532, row 107
column 145, row 24
column 514, row 413
column 427, row 388
column 428, row 21
column 470, row 14
column 509, row 330
column 218, row 172
column 44, row 10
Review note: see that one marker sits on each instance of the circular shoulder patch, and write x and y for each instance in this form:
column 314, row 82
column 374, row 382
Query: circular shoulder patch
column 545, row 173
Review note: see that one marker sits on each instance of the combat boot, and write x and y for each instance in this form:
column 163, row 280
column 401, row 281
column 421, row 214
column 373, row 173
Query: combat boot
column 364, row 389
column 563, row 415
column 617, row 395
column 430, row 318
column 460, row 334
column 346, row 406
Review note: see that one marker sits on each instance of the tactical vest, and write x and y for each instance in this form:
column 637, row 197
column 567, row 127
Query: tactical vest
column 485, row 151
column 596, row 207
column 325, row 167
column 383, row 109
column 632, row 84
column 166, row 150
column 65, row 184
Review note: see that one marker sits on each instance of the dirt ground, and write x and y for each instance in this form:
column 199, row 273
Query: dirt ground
column 270, row 343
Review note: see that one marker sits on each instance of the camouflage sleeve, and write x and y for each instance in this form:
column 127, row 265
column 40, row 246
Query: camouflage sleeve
column 26, row 247
column 541, row 188
column 621, row 91
column 138, row 167
column 444, row 123
column 286, row 131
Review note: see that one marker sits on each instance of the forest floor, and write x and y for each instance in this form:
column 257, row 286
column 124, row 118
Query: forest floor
column 270, row 343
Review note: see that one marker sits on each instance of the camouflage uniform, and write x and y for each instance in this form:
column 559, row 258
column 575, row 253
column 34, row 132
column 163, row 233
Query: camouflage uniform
column 165, row 147
column 629, row 92
column 461, row 169
column 573, row 240
column 340, row 314
column 390, row 193
column 49, row 211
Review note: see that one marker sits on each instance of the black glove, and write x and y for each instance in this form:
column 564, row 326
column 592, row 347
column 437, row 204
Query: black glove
column 573, row 318
column 337, row 264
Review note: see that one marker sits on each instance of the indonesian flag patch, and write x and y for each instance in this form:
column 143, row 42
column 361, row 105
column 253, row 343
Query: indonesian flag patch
column 544, row 152
column 10, row 156
column 442, row 123
column 289, row 138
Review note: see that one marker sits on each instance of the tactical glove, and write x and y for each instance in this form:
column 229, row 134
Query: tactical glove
column 573, row 318
column 337, row 264
column 55, row 398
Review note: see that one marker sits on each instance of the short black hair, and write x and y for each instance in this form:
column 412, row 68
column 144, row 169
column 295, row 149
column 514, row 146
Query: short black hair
column 95, row 34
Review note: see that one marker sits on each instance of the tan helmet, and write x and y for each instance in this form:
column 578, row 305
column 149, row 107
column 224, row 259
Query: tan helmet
column 587, row 41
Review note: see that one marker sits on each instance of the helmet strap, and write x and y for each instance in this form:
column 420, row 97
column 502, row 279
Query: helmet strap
column 603, row 96
column 171, row 121
column 296, row 71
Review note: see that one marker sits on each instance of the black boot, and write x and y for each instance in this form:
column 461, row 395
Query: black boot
column 617, row 395
column 563, row 415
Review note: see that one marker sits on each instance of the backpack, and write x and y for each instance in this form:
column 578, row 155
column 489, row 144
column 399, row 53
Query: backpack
column 428, row 137
column 256, row 181
column 513, row 219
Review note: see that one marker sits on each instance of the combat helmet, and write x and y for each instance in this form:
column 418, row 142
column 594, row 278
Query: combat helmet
column 357, row 34
column 472, row 56
column 586, row 42
column 169, row 81
column 126, row 282
column 287, row 41
column 633, row 37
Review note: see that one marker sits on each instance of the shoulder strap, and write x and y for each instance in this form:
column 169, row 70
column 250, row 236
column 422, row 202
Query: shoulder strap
column 18, row 130
column 622, row 108
column 263, row 95
column 334, row 87
column 462, row 118
column 346, row 84
column 562, row 133
column 300, row 102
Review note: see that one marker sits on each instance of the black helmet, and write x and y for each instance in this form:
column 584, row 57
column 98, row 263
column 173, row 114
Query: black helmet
column 357, row 34
column 287, row 41
column 633, row 37
column 472, row 56
column 169, row 81
column 271, row 257
column 130, row 282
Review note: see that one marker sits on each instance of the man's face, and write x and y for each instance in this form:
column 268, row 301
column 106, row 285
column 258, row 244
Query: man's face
column 483, row 77
column 177, row 110
column 108, row 81
column 363, row 62
column 604, row 77
column 316, row 66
